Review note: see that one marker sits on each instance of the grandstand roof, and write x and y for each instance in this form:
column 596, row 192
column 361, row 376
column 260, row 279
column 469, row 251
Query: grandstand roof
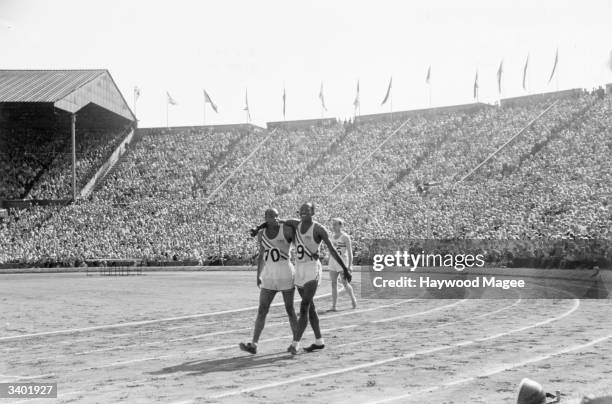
column 69, row 90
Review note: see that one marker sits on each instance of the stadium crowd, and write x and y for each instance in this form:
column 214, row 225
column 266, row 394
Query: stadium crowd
column 164, row 202
column 38, row 164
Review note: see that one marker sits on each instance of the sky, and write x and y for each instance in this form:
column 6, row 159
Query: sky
column 226, row 47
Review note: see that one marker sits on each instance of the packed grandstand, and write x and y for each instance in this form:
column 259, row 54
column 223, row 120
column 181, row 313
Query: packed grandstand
column 189, row 195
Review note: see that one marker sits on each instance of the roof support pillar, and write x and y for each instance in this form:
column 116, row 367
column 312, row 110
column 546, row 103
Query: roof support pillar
column 73, row 136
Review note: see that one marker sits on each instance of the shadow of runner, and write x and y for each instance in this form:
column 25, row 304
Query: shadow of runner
column 225, row 364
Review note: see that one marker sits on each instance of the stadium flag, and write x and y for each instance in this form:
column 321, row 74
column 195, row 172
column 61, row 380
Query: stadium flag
column 500, row 71
column 246, row 105
column 428, row 82
column 208, row 100
column 171, row 101
column 388, row 94
column 284, row 101
column 525, row 72
column 554, row 66
column 356, row 101
column 136, row 97
column 476, row 86
column 322, row 98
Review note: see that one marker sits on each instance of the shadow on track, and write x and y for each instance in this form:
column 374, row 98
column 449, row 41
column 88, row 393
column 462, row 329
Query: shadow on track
column 225, row 364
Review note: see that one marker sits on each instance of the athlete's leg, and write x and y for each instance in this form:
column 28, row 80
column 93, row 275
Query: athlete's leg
column 288, row 296
column 334, row 285
column 308, row 310
column 266, row 296
column 349, row 288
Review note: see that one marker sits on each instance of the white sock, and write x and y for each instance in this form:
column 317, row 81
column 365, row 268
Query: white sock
column 319, row 341
column 295, row 344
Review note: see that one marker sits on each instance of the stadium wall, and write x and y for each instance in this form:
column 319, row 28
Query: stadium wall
column 527, row 99
column 301, row 124
column 198, row 128
column 425, row 111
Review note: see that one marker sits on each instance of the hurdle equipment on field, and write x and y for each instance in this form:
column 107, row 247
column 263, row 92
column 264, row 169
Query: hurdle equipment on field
column 117, row 267
column 120, row 270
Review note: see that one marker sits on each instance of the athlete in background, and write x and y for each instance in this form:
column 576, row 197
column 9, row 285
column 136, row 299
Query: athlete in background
column 274, row 273
column 342, row 244
column 309, row 235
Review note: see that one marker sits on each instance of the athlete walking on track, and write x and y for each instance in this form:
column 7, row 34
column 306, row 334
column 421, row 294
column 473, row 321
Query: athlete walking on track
column 308, row 238
column 274, row 273
column 342, row 244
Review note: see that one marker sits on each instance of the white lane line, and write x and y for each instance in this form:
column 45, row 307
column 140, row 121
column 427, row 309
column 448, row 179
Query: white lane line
column 137, row 323
column 13, row 378
column 517, row 301
column 386, row 320
column 187, row 326
column 384, row 306
column 217, row 348
column 138, row 360
column 126, row 334
column 210, row 334
column 497, row 370
column 393, row 359
column 233, row 346
column 115, row 364
column 287, row 322
column 152, row 343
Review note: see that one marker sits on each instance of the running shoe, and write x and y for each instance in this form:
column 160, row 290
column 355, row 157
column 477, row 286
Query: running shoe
column 249, row 347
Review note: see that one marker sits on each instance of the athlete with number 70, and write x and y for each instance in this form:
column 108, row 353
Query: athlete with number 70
column 275, row 273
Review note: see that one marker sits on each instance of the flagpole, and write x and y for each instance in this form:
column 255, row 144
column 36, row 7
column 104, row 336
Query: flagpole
column 526, row 80
column 557, row 66
column 284, row 102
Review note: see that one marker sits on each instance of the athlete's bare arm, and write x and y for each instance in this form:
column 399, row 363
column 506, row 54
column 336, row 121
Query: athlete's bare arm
column 289, row 233
column 289, row 222
column 260, row 259
column 320, row 233
column 349, row 246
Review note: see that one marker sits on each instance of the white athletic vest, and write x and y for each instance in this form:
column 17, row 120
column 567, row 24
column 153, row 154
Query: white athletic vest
column 277, row 248
column 340, row 246
column 305, row 244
